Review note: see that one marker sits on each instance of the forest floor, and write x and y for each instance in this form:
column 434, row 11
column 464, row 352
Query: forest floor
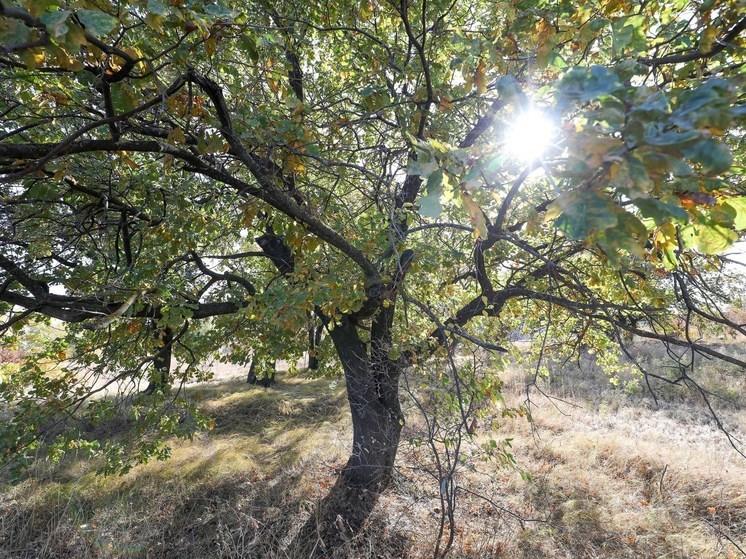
column 612, row 475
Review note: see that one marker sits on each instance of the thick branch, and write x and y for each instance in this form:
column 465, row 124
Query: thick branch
column 269, row 191
column 246, row 284
column 78, row 309
column 37, row 288
column 484, row 122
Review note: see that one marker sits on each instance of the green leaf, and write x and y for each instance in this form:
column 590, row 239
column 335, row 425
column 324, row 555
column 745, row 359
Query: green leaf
column 509, row 89
column 708, row 237
column 707, row 106
column 55, row 22
column 424, row 165
column 96, row 22
column 218, row 11
column 158, row 7
column 736, row 209
column 430, row 205
column 660, row 212
column 638, row 174
column 123, row 97
column 585, row 84
column 627, row 33
column 629, row 234
column 670, row 138
column 655, row 105
column 13, row 32
column 585, row 214
column 598, row 24
column 621, row 35
column 714, row 156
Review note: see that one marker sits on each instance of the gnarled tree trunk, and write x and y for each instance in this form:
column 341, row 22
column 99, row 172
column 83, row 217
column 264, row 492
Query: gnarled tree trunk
column 372, row 388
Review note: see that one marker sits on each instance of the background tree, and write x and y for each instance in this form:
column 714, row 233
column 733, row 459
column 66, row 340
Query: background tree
column 178, row 175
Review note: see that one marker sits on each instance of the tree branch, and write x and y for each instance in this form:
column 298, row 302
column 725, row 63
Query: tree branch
column 697, row 54
column 246, row 284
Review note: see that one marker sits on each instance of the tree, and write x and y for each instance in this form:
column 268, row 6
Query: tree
column 178, row 174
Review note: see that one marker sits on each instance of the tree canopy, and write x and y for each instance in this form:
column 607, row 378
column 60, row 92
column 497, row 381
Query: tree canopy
column 178, row 176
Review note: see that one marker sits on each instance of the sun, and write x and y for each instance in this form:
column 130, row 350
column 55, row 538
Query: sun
column 530, row 134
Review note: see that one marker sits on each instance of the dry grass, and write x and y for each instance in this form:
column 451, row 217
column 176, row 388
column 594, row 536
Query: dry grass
column 234, row 492
column 613, row 477
column 628, row 483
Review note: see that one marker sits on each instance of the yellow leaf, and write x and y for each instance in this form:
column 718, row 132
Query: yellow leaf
column 130, row 163
column 155, row 22
column 33, row 58
column 593, row 151
column 468, row 82
column 544, row 43
column 614, row 171
column 249, row 213
column 553, row 212
column 707, row 39
column 134, row 52
column 177, row 137
column 476, row 216
column 480, row 78
column 273, row 85
column 211, row 45
column 60, row 99
column 312, row 243
column 72, row 64
column 533, row 225
column 294, row 164
column 75, row 37
column 366, row 10
column 614, row 5
column 444, row 104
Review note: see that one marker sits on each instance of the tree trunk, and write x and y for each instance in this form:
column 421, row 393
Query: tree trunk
column 314, row 339
column 315, row 331
column 266, row 377
column 372, row 390
column 162, row 362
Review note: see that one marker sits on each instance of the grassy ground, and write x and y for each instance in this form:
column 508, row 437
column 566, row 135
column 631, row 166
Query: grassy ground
column 613, row 476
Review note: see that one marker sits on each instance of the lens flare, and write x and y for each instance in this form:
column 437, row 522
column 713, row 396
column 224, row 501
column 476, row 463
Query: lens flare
column 530, row 135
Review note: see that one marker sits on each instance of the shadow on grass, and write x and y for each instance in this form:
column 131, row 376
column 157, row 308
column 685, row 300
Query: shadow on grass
column 288, row 410
column 288, row 405
column 243, row 490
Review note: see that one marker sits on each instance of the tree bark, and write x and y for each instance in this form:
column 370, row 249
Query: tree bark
column 314, row 339
column 162, row 362
column 372, row 389
column 266, row 377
